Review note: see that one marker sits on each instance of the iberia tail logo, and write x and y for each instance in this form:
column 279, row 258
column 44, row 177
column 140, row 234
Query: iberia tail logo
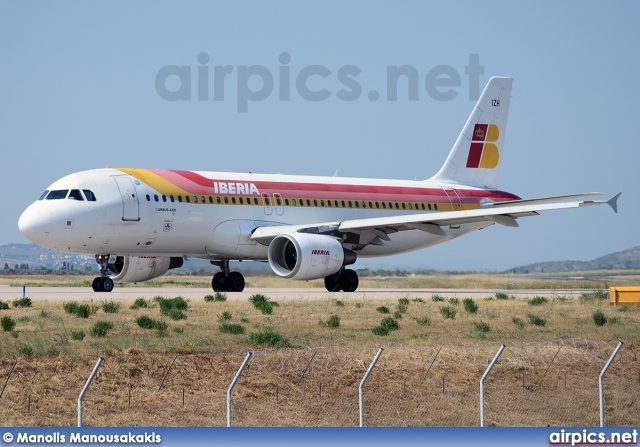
column 482, row 152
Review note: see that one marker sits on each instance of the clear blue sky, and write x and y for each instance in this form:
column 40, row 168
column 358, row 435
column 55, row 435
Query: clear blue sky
column 78, row 89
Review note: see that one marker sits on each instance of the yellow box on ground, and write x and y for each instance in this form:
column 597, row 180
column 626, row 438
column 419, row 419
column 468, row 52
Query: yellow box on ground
column 624, row 295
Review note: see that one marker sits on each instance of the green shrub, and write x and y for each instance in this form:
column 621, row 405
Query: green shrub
column 27, row 351
column 537, row 301
column 147, row 322
column 418, row 300
column 379, row 330
column 397, row 314
column 177, row 314
column 7, row 323
column 101, row 328
column 518, row 322
column 436, row 298
column 167, row 305
column 390, row 324
column 482, row 327
column 162, row 333
column 599, row 318
column 470, row 305
column 44, row 314
column 448, row 312
column 244, row 320
column 178, row 330
column 3, row 305
column 15, row 334
column 333, row 321
column 596, row 295
column 383, row 309
column 226, row 315
column 262, row 303
column 426, row 321
column 358, row 305
column 218, row 297
column 139, row 303
column 22, row 302
column 77, row 335
column 536, row 320
column 339, row 303
column 79, row 310
column 501, row 296
column 403, row 301
column 110, row 307
column 455, row 301
column 268, row 337
column 227, row 328
column 402, row 308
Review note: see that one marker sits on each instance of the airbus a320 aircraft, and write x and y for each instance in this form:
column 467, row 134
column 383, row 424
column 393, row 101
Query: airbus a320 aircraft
column 140, row 223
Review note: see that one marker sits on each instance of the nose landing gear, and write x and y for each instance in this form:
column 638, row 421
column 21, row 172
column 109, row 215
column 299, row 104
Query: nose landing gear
column 103, row 283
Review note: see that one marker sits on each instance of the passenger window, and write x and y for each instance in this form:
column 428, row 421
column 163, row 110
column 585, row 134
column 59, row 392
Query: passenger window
column 266, row 201
column 226, row 200
column 241, row 201
column 422, row 206
column 44, row 194
column 350, row 204
column 155, row 197
column 286, row 202
column 57, row 194
column 180, row 198
column 308, row 202
column 188, row 199
column 75, row 195
column 343, row 205
column 210, row 199
column 233, row 200
column 164, row 198
column 315, row 202
column 278, row 201
column 377, row 204
column 429, row 207
column 202, row 199
column 370, row 205
column 171, row 198
column 357, row 204
column 148, row 198
column 397, row 206
column 335, row 203
column 384, row 205
column 293, row 201
column 89, row 195
column 255, row 200
column 218, row 199
column 195, row 199
column 435, row 206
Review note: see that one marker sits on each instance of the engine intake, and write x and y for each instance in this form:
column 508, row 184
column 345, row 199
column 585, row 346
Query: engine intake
column 142, row 268
column 307, row 256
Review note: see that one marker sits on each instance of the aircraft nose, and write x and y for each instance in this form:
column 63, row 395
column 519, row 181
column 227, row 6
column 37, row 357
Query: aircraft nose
column 35, row 224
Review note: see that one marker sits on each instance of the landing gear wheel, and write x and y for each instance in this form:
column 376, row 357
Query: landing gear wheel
column 234, row 282
column 217, row 283
column 331, row 283
column 348, row 281
column 107, row 285
column 94, row 284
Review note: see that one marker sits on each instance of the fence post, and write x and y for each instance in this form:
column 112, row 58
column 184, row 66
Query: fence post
column 484, row 376
column 8, row 377
column 601, row 383
column 86, row 387
column 361, row 387
column 233, row 383
column 167, row 373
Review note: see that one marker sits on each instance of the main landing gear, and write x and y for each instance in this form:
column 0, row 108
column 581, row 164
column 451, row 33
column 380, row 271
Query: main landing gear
column 226, row 281
column 345, row 280
column 103, row 283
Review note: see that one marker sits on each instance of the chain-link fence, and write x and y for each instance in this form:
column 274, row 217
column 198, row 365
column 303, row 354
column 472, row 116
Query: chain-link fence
column 533, row 384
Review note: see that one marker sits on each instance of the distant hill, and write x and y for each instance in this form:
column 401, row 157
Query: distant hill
column 622, row 260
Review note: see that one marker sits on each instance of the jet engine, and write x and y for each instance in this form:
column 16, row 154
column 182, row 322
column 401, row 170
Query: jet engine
column 142, row 268
column 308, row 256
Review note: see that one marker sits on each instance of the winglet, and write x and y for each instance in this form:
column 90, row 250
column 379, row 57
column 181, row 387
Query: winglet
column 613, row 202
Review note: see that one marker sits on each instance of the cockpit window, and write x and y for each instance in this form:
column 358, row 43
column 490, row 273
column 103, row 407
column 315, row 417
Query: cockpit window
column 44, row 194
column 89, row 195
column 75, row 195
column 57, row 194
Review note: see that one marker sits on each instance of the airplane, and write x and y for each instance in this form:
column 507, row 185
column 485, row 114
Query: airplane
column 141, row 223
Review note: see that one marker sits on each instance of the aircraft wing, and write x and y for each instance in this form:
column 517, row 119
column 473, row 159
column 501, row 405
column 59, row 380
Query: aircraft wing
column 504, row 213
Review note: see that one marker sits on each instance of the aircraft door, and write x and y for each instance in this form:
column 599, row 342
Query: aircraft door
column 266, row 201
column 454, row 198
column 130, row 204
column 278, row 203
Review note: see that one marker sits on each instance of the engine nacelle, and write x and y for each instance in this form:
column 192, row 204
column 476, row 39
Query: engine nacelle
column 142, row 268
column 307, row 256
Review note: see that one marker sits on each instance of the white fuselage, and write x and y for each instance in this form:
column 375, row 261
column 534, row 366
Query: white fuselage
column 161, row 213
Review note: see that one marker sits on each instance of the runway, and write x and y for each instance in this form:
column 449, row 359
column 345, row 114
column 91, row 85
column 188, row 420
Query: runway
column 125, row 294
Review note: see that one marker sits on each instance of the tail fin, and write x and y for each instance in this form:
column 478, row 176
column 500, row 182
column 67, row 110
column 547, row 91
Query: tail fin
column 475, row 158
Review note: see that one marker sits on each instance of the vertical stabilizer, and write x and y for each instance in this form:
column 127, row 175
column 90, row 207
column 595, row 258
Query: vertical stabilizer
column 475, row 158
